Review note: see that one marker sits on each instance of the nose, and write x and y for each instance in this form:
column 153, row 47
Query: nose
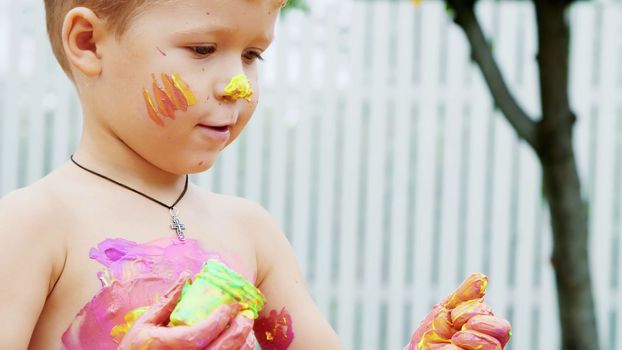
column 236, row 88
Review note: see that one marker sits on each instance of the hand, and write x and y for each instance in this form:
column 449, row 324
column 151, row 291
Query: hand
column 222, row 330
column 462, row 322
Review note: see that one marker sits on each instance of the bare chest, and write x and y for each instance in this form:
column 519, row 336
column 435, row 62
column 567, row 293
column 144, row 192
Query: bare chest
column 215, row 232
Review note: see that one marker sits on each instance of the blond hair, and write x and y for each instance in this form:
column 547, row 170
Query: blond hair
column 116, row 13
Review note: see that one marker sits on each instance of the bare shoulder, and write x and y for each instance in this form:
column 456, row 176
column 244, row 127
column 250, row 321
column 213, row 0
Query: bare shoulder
column 33, row 220
column 249, row 214
column 31, row 259
column 28, row 208
column 257, row 224
column 23, row 212
column 27, row 215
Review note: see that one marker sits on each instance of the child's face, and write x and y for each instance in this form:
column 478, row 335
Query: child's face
column 205, row 43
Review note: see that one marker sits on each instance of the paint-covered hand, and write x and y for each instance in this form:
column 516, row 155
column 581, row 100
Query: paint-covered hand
column 224, row 329
column 463, row 321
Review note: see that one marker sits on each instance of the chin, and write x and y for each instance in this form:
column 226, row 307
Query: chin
column 201, row 165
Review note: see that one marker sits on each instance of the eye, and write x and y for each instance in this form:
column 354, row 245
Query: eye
column 252, row 56
column 203, row 50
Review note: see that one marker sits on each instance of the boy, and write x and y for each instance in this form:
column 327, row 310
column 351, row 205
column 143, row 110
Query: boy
column 165, row 86
column 112, row 50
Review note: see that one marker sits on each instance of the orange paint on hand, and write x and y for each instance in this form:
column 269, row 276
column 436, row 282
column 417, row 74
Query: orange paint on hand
column 442, row 324
column 474, row 287
column 463, row 321
column 492, row 326
column 467, row 310
column 432, row 338
column 473, row 340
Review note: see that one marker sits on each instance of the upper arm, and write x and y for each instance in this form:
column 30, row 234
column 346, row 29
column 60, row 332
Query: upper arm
column 25, row 270
column 280, row 280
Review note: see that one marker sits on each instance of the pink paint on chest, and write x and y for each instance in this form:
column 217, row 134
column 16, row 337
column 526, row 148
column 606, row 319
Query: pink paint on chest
column 134, row 275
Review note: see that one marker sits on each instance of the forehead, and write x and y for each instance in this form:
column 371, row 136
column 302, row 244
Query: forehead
column 225, row 16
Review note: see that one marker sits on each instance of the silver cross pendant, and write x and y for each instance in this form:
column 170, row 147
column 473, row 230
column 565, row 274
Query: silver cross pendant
column 177, row 225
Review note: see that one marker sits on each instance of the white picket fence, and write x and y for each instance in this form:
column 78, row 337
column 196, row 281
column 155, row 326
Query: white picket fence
column 377, row 149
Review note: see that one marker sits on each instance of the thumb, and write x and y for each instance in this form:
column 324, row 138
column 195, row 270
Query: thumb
column 474, row 287
column 160, row 312
column 234, row 338
column 251, row 342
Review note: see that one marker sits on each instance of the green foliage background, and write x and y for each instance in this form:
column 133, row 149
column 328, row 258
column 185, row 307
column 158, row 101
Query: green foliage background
column 296, row 4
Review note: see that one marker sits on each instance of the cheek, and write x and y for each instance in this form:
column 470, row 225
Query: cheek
column 167, row 94
column 243, row 119
column 247, row 112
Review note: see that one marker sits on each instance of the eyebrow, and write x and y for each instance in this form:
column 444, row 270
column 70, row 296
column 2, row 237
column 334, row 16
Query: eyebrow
column 263, row 38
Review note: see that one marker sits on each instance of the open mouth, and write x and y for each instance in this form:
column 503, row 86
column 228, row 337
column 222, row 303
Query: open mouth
column 223, row 128
column 217, row 133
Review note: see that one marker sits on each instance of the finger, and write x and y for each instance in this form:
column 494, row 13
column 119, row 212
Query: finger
column 431, row 340
column 443, row 325
column 465, row 311
column 492, row 326
column 235, row 336
column 426, row 324
column 439, row 346
column 473, row 340
column 159, row 313
column 474, row 287
column 450, row 347
column 197, row 336
column 251, row 342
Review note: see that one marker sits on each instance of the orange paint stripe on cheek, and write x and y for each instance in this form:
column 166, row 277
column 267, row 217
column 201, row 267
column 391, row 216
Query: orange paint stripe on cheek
column 174, row 93
column 151, row 108
column 184, row 88
column 165, row 105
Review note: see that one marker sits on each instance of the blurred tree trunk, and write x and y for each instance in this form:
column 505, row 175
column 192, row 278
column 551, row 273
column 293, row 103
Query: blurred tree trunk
column 551, row 139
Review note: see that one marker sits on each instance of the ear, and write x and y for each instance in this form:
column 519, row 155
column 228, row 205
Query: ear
column 82, row 32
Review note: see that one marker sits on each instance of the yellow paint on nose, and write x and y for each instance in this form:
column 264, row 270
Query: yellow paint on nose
column 239, row 87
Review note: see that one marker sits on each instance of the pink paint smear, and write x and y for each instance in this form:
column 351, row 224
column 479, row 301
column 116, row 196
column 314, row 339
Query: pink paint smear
column 134, row 275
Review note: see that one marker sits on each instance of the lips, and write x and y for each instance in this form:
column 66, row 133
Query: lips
column 218, row 133
column 220, row 128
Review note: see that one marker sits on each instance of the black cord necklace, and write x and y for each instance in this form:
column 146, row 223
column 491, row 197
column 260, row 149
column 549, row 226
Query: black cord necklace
column 175, row 224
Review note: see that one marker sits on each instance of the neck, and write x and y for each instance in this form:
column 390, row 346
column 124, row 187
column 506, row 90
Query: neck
column 111, row 157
